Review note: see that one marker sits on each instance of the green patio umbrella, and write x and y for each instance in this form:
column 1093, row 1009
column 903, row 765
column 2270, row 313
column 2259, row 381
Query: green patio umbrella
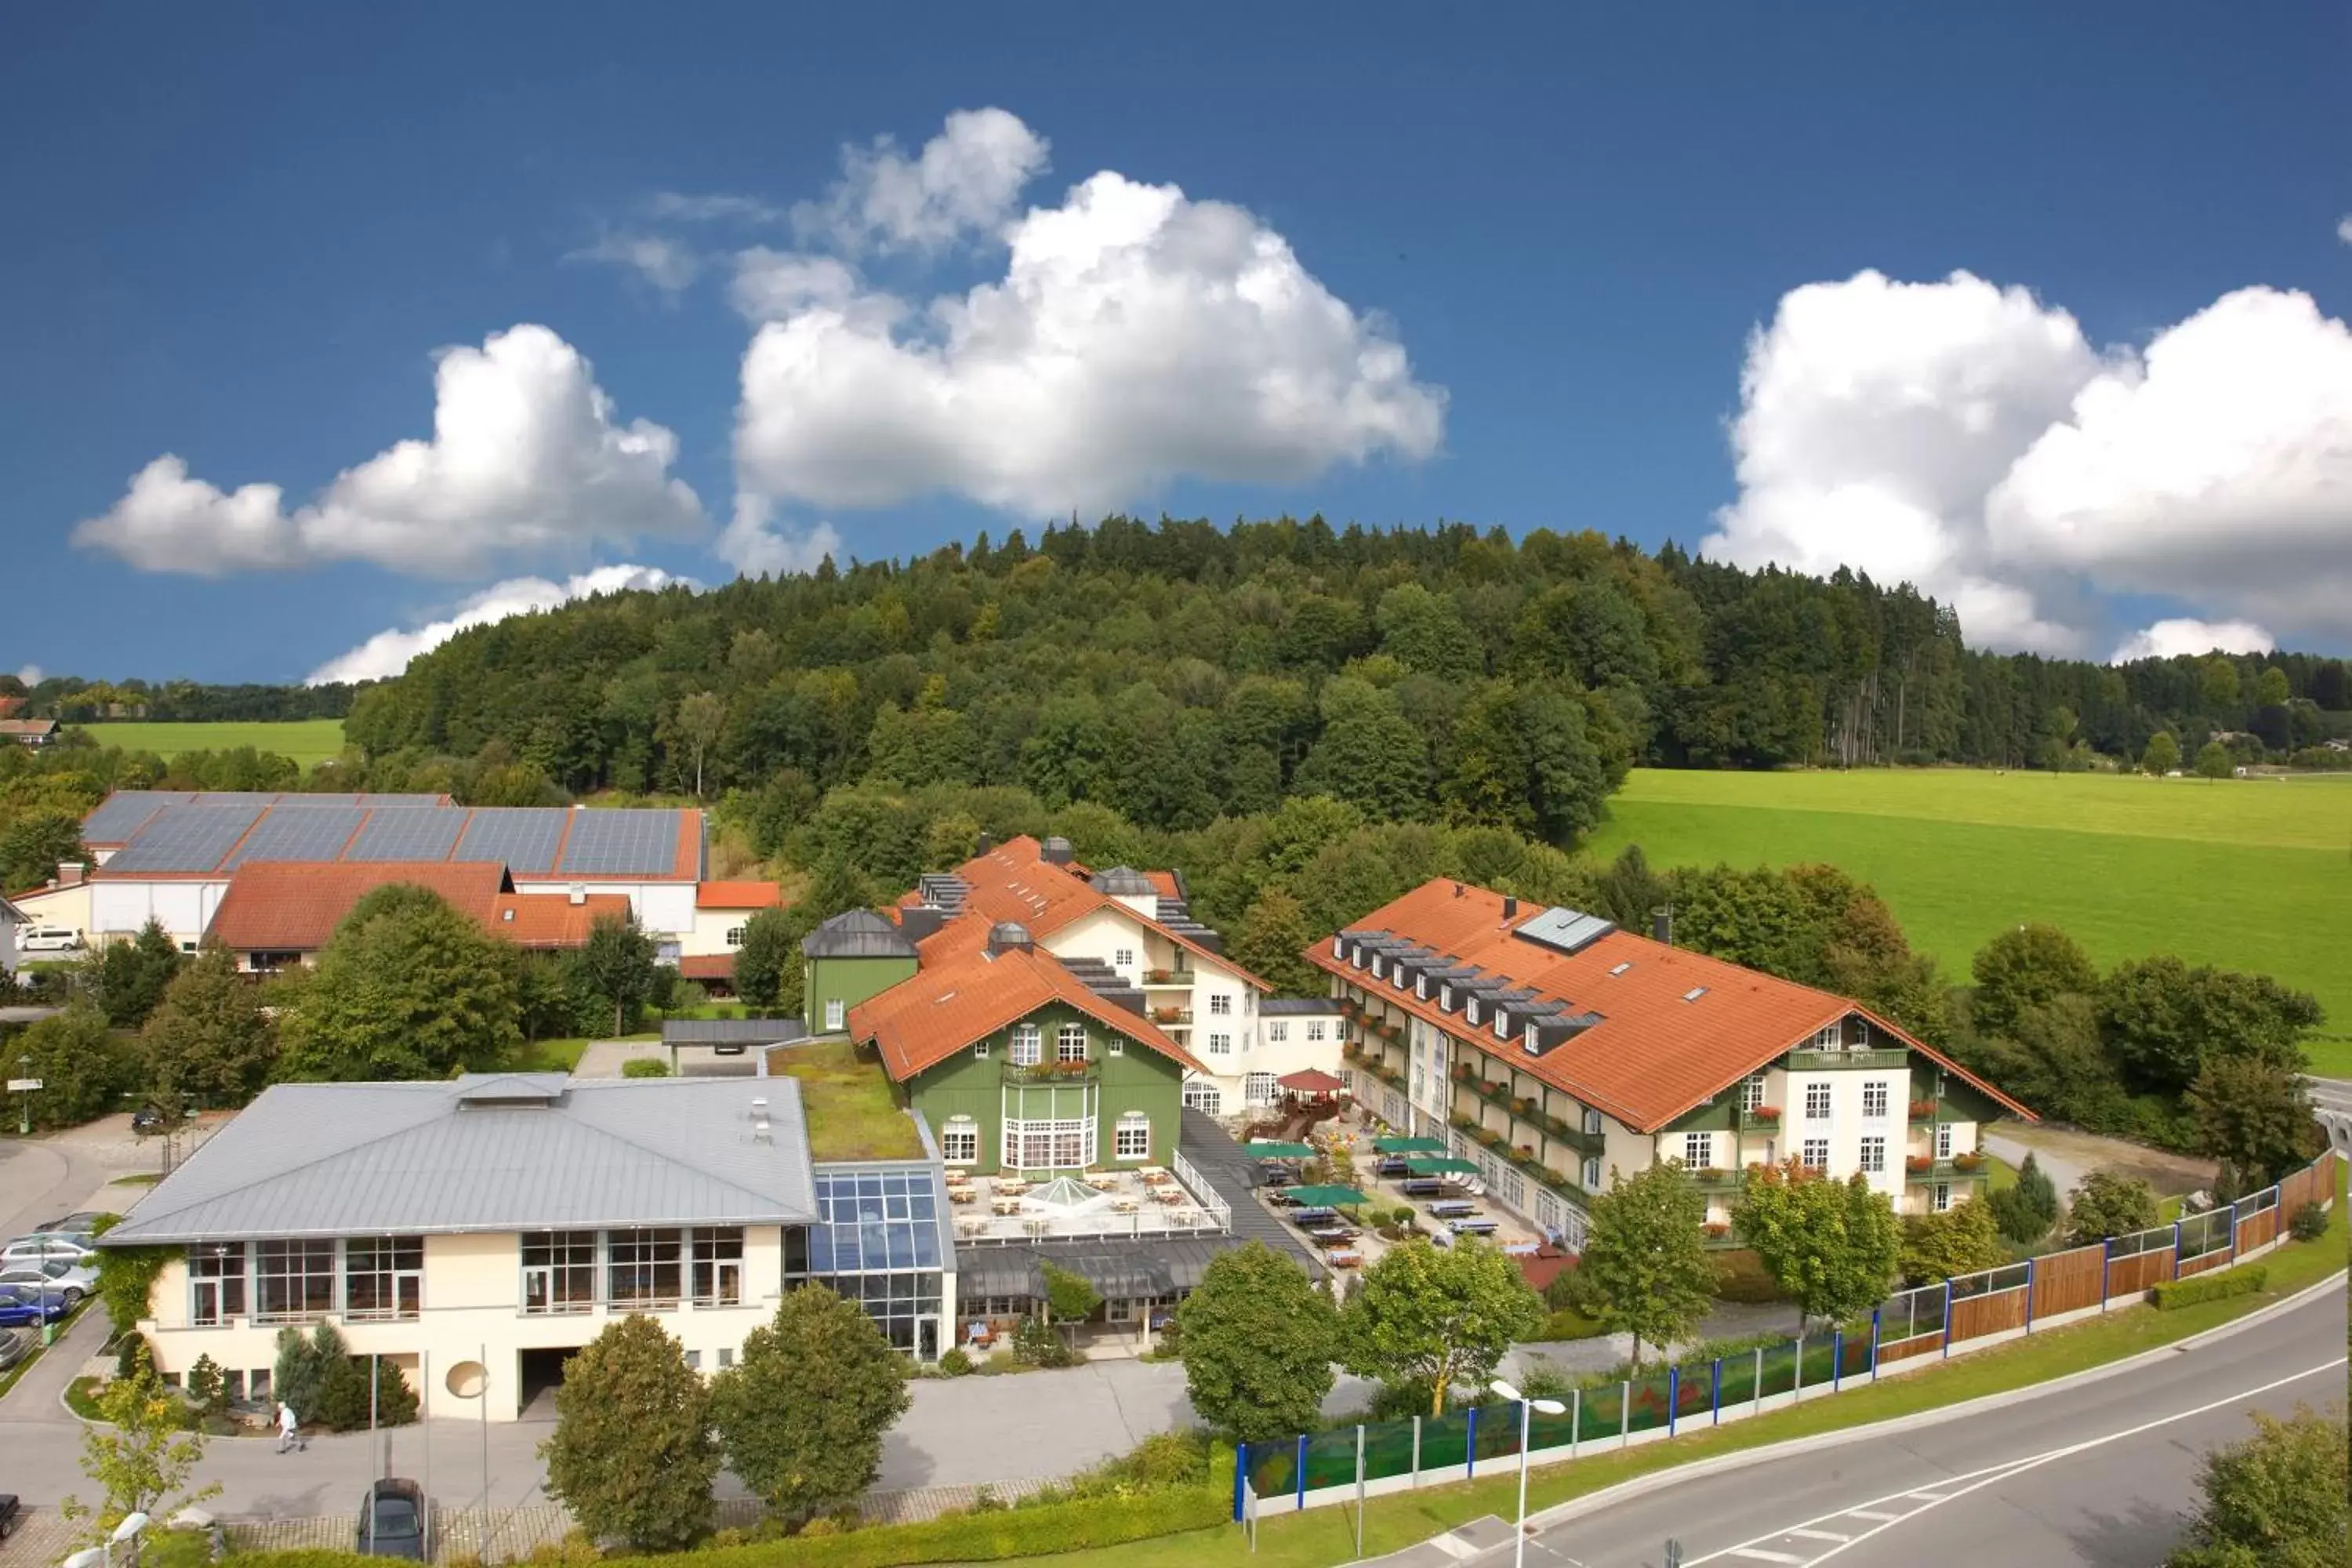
column 1410, row 1145
column 1327, row 1197
column 1422, row 1166
column 1266, row 1149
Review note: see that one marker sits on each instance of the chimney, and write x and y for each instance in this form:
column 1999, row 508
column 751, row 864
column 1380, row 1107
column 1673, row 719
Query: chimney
column 1510, row 911
column 1662, row 924
column 987, row 843
column 69, row 873
column 1457, row 889
column 579, row 893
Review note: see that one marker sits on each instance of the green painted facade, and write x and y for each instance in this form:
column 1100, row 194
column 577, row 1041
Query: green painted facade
column 847, row 981
column 988, row 1090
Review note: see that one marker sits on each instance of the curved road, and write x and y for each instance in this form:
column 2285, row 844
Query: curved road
column 2103, row 1474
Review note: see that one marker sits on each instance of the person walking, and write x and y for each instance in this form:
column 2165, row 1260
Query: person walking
column 290, row 1434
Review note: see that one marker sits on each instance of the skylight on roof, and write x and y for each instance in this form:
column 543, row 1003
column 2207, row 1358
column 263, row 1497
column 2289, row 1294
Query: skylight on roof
column 1621, row 968
column 1694, row 993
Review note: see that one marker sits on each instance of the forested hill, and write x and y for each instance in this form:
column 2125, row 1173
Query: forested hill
column 1180, row 671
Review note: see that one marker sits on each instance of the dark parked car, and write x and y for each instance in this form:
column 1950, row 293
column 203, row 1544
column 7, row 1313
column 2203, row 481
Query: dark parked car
column 392, row 1520
column 146, row 1119
column 72, row 1224
column 23, row 1306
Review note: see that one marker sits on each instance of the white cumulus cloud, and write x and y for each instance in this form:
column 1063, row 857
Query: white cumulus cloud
column 713, row 208
column 387, row 653
column 668, row 265
column 964, row 181
column 525, row 458
column 1137, row 335
column 2215, row 468
column 1970, row 439
column 756, row 546
column 2344, row 230
column 30, row 674
column 2184, row 635
column 776, row 284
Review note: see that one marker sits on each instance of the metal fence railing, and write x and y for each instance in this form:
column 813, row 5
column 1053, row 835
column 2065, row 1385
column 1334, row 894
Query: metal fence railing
column 1941, row 1319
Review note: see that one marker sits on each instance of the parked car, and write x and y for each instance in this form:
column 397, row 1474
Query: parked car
column 62, row 1274
column 8, row 1512
column 49, row 938
column 391, row 1520
column 15, row 1344
column 48, row 1244
column 75, row 1224
column 29, row 1306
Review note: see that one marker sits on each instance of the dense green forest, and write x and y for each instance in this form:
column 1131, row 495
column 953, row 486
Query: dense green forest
column 77, row 702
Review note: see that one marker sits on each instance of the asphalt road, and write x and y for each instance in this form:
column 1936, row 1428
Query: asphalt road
column 2103, row 1474
column 2331, row 1093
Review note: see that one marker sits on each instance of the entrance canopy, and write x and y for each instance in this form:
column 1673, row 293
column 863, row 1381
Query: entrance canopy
column 1410, row 1145
column 1424, row 1165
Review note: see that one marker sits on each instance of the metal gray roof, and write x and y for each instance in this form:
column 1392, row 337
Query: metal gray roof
column 1278, row 1006
column 1226, row 1167
column 732, row 1031
column 494, row 1152
column 1122, row 1269
column 1124, row 879
column 858, row 933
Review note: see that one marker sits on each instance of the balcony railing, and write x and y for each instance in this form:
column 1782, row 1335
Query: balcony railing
column 1182, row 977
column 1923, row 1109
column 1053, row 1072
column 1170, row 1017
column 1755, row 1118
column 1926, row 1168
column 1529, row 1112
column 1832, row 1061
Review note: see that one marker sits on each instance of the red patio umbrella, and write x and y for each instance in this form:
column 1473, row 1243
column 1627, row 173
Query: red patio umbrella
column 1310, row 1081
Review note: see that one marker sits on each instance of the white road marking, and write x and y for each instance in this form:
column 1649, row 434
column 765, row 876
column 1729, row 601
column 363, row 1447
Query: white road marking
column 1871, row 1513
column 1819, row 1535
column 1962, row 1484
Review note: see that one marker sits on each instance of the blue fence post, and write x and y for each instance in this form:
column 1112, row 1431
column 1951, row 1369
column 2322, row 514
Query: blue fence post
column 1674, row 1396
column 1302, row 1470
column 1874, row 1342
column 1947, row 1320
column 2107, row 1260
column 2029, row 1295
column 1240, row 1479
column 2176, row 1249
column 2233, row 1230
column 1714, row 1392
column 1837, row 1358
column 1470, row 1446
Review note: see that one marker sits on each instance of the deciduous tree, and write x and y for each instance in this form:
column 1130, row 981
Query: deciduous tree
column 127, row 979
column 618, row 963
column 83, row 1066
column 2214, row 762
column 1644, row 1269
column 2107, row 1205
column 1431, row 1318
column 2163, row 754
column 802, row 1413
column 771, row 948
column 2253, row 1116
column 406, row 988
column 1258, row 1340
column 2028, row 966
column 139, row 1454
column 2278, row 1499
column 632, row 1455
column 1834, row 1246
column 209, row 1042
column 1961, row 1240
column 1272, row 942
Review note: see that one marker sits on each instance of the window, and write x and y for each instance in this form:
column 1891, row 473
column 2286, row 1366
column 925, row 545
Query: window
column 383, row 1278
column 1942, row 1141
column 1502, row 1024
column 1313, row 1031
column 1065, row 1144
column 1698, row 1149
column 1817, row 1103
column 960, row 1141
column 1391, row 1109
column 726, row 1357
column 1817, row 1154
column 980, row 1049
column 1276, row 1033
column 216, row 1284
column 1591, row 1123
column 1873, row 1100
column 294, row 1279
column 734, row 936
column 1070, row 1042
column 1028, row 1045
column 1826, row 1038
column 693, row 1360
column 1874, row 1155
column 1114, row 1047
column 1470, row 1010
column 836, row 1012
column 1201, row 1095
column 641, row 1269
column 1751, row 1091
column 1380, row 965
column 1593, row 1173
column 1400, row 978
column 1220, row 1005
column 1547, row 1211
column 1445, row 998
column 1259, row 1089
column 1132, row 1138
column 1123, row 958
column 558, row 1270
column 1221, row 1045
column 719, row 1265
column 1943, row 1196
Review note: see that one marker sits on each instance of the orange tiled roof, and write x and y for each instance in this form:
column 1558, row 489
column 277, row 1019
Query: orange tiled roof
column 708, row 966
column 294, row 906
column 737, row 895
column 1655, row 1054
column 27, row 726
column 959, row 995
column 9, row 705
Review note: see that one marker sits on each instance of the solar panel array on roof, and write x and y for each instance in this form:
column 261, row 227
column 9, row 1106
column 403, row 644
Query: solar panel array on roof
column 119, row 814
column 299, row 833
column 377, row 800
column 186, row 838
column 613, row 843
column 407, row 836
column 525, row 838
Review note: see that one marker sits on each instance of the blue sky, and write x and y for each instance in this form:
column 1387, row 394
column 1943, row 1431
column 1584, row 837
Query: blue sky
column 242, row 234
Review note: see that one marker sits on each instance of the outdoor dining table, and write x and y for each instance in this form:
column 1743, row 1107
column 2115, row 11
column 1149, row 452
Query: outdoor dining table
column 1332, row 1234
column 1453, row 1208
column 1006, row 1206
column 1339, row 1258
column 1308, row 1219
column 1170, row 1196
column 1153, row 1173
column 1124, row 1206
column 1471, row 1226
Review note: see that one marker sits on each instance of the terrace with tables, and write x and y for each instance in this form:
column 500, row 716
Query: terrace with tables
column 1341, row 1216
column 1148, row 1201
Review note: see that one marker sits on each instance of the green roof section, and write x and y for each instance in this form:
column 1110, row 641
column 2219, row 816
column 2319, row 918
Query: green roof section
column 847, row 1102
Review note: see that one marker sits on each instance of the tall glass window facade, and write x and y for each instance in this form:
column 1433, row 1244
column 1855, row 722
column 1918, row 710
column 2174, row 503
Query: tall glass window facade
column 878, row 1243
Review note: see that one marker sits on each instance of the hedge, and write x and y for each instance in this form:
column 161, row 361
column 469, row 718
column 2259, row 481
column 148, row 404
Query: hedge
column 2217, row 1286
column 953, row 1538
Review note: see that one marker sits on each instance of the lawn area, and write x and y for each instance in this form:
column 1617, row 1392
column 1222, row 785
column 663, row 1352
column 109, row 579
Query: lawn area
column 2120, row 862
column 549, row 1055
column 852, row 1113
column 1327, row 1535
column 304, row 740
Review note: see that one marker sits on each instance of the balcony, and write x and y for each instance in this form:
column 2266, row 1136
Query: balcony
column 1924, row 1109
column 1171, row 1017
column 1053, row 1072
column 1520, row 1158
column 1713, row 1179
column 1179, row 979
column 1528, row 1111
column 1834, row 1061
column 1755, row 1118
column 1927, row 1168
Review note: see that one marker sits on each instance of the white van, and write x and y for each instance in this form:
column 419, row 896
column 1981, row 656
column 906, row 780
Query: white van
column 49, row 938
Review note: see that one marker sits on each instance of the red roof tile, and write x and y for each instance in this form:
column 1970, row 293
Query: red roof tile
column 1657, row 1052
column 737, row 895
column 708, row 966
column 294, row 906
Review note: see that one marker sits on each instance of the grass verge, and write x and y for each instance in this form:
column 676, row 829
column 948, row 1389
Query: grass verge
column 1325, row 1536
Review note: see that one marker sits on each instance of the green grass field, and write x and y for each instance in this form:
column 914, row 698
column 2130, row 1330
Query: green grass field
column 305, row 741
column 2249, row 874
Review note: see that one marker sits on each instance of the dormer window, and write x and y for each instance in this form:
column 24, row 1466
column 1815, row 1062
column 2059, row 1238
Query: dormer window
column 1357, row 958
column 1531, row 1039
column 1399, row 977
column 1421, row 987
column 1376, row 966
column 1340, row 947
column 1470, row 1009
column 1445, row 998
column 1502, row 1026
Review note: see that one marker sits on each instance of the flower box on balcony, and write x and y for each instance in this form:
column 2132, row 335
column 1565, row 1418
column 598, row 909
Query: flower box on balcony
column 1969, row 1162
column 1168, row 1014
column 1527, row 1152
column 1489, row 1137
column 1159, row 976
column 1764, row 1113
column 1923, row 1111
column 1717, row 1230
column 1709, row 1174
column 1523, row 1107
column 1917, row 1165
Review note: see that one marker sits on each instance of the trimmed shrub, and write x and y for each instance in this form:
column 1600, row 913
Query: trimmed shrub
column 131, row 1355
column 955, row 1360
column 2309, row 1224
column 2218, row 1286
column 1740, row 1276
column 645, row 1067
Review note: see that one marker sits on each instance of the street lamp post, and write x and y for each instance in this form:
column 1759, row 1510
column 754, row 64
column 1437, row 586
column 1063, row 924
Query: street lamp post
column 24, row 1098
column 1527, row 1407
